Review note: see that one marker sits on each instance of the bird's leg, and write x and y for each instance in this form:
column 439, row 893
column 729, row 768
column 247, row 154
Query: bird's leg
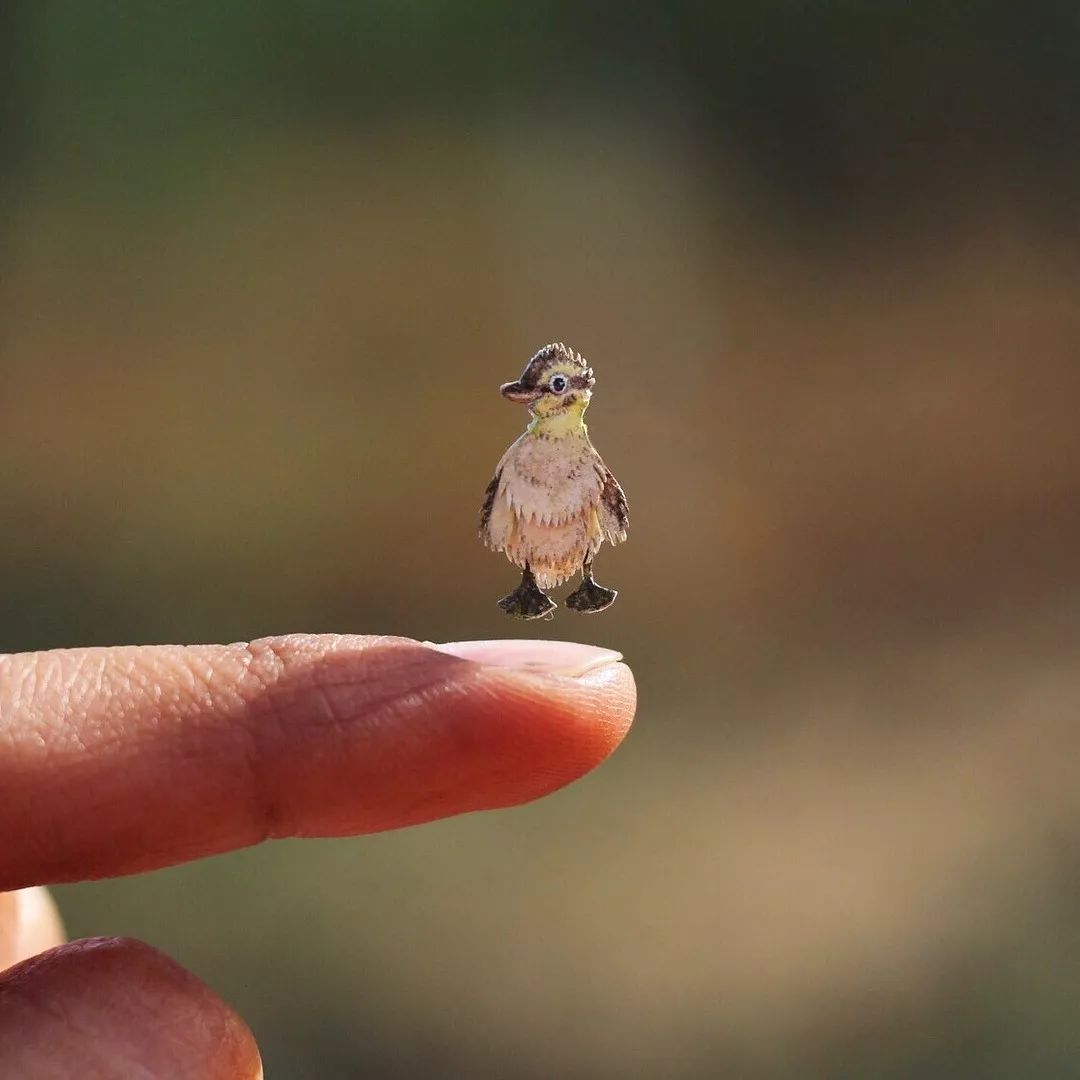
column 588, row 596
column 527, row 601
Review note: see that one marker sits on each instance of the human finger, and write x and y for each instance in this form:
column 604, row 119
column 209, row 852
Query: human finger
column 29, row 924
column 114, row 761
column 112, row 1009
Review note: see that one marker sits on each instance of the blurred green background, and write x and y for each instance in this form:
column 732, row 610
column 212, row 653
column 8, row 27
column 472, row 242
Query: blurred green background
column 262, row 263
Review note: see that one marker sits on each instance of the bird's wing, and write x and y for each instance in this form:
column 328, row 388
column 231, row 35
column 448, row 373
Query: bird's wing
column 489, row 501
column 614, row 511
column 496, row 516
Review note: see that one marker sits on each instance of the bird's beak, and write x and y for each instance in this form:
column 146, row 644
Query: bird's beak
column 514, row 391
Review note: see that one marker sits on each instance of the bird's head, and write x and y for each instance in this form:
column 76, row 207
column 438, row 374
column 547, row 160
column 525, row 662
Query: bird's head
column 556, row 380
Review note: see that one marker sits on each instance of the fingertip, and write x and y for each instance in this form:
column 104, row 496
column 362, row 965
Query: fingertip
column 616, row 695
column 595, row 679
column 596, row 708
column 115, row 1007
column 536, row 732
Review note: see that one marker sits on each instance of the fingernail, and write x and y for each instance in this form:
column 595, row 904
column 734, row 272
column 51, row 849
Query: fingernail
column 566, row 658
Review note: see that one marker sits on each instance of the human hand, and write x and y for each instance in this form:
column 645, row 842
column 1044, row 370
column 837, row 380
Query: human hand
column 115, row 761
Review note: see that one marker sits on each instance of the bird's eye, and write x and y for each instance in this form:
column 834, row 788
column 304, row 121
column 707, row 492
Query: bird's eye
column 558, row 383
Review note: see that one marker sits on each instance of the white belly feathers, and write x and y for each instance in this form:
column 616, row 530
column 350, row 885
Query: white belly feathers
column 551, row 481
column 545, row 512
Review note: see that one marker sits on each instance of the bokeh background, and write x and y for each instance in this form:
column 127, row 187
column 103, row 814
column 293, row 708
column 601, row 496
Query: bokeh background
column 263, row 265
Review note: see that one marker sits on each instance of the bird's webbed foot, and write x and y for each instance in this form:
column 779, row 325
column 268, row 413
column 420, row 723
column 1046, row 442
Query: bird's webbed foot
column 589, row 597
column 527, row 601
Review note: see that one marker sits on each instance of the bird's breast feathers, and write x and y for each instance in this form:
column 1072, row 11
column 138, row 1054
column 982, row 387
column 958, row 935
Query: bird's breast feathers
column 551, row 503
column 550, row 481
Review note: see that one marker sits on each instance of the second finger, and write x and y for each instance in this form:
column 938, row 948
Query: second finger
column 107, row 1008
column 29, row 924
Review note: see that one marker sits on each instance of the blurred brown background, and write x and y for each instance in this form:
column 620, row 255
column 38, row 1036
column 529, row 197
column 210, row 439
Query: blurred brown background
column 263, row 264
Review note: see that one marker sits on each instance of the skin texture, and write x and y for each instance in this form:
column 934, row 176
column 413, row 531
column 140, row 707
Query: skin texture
column 114, row 761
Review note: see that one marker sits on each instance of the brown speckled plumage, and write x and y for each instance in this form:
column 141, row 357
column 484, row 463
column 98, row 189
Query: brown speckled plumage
column 553, row 502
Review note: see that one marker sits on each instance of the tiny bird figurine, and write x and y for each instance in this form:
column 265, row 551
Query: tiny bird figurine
column 552, row 501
